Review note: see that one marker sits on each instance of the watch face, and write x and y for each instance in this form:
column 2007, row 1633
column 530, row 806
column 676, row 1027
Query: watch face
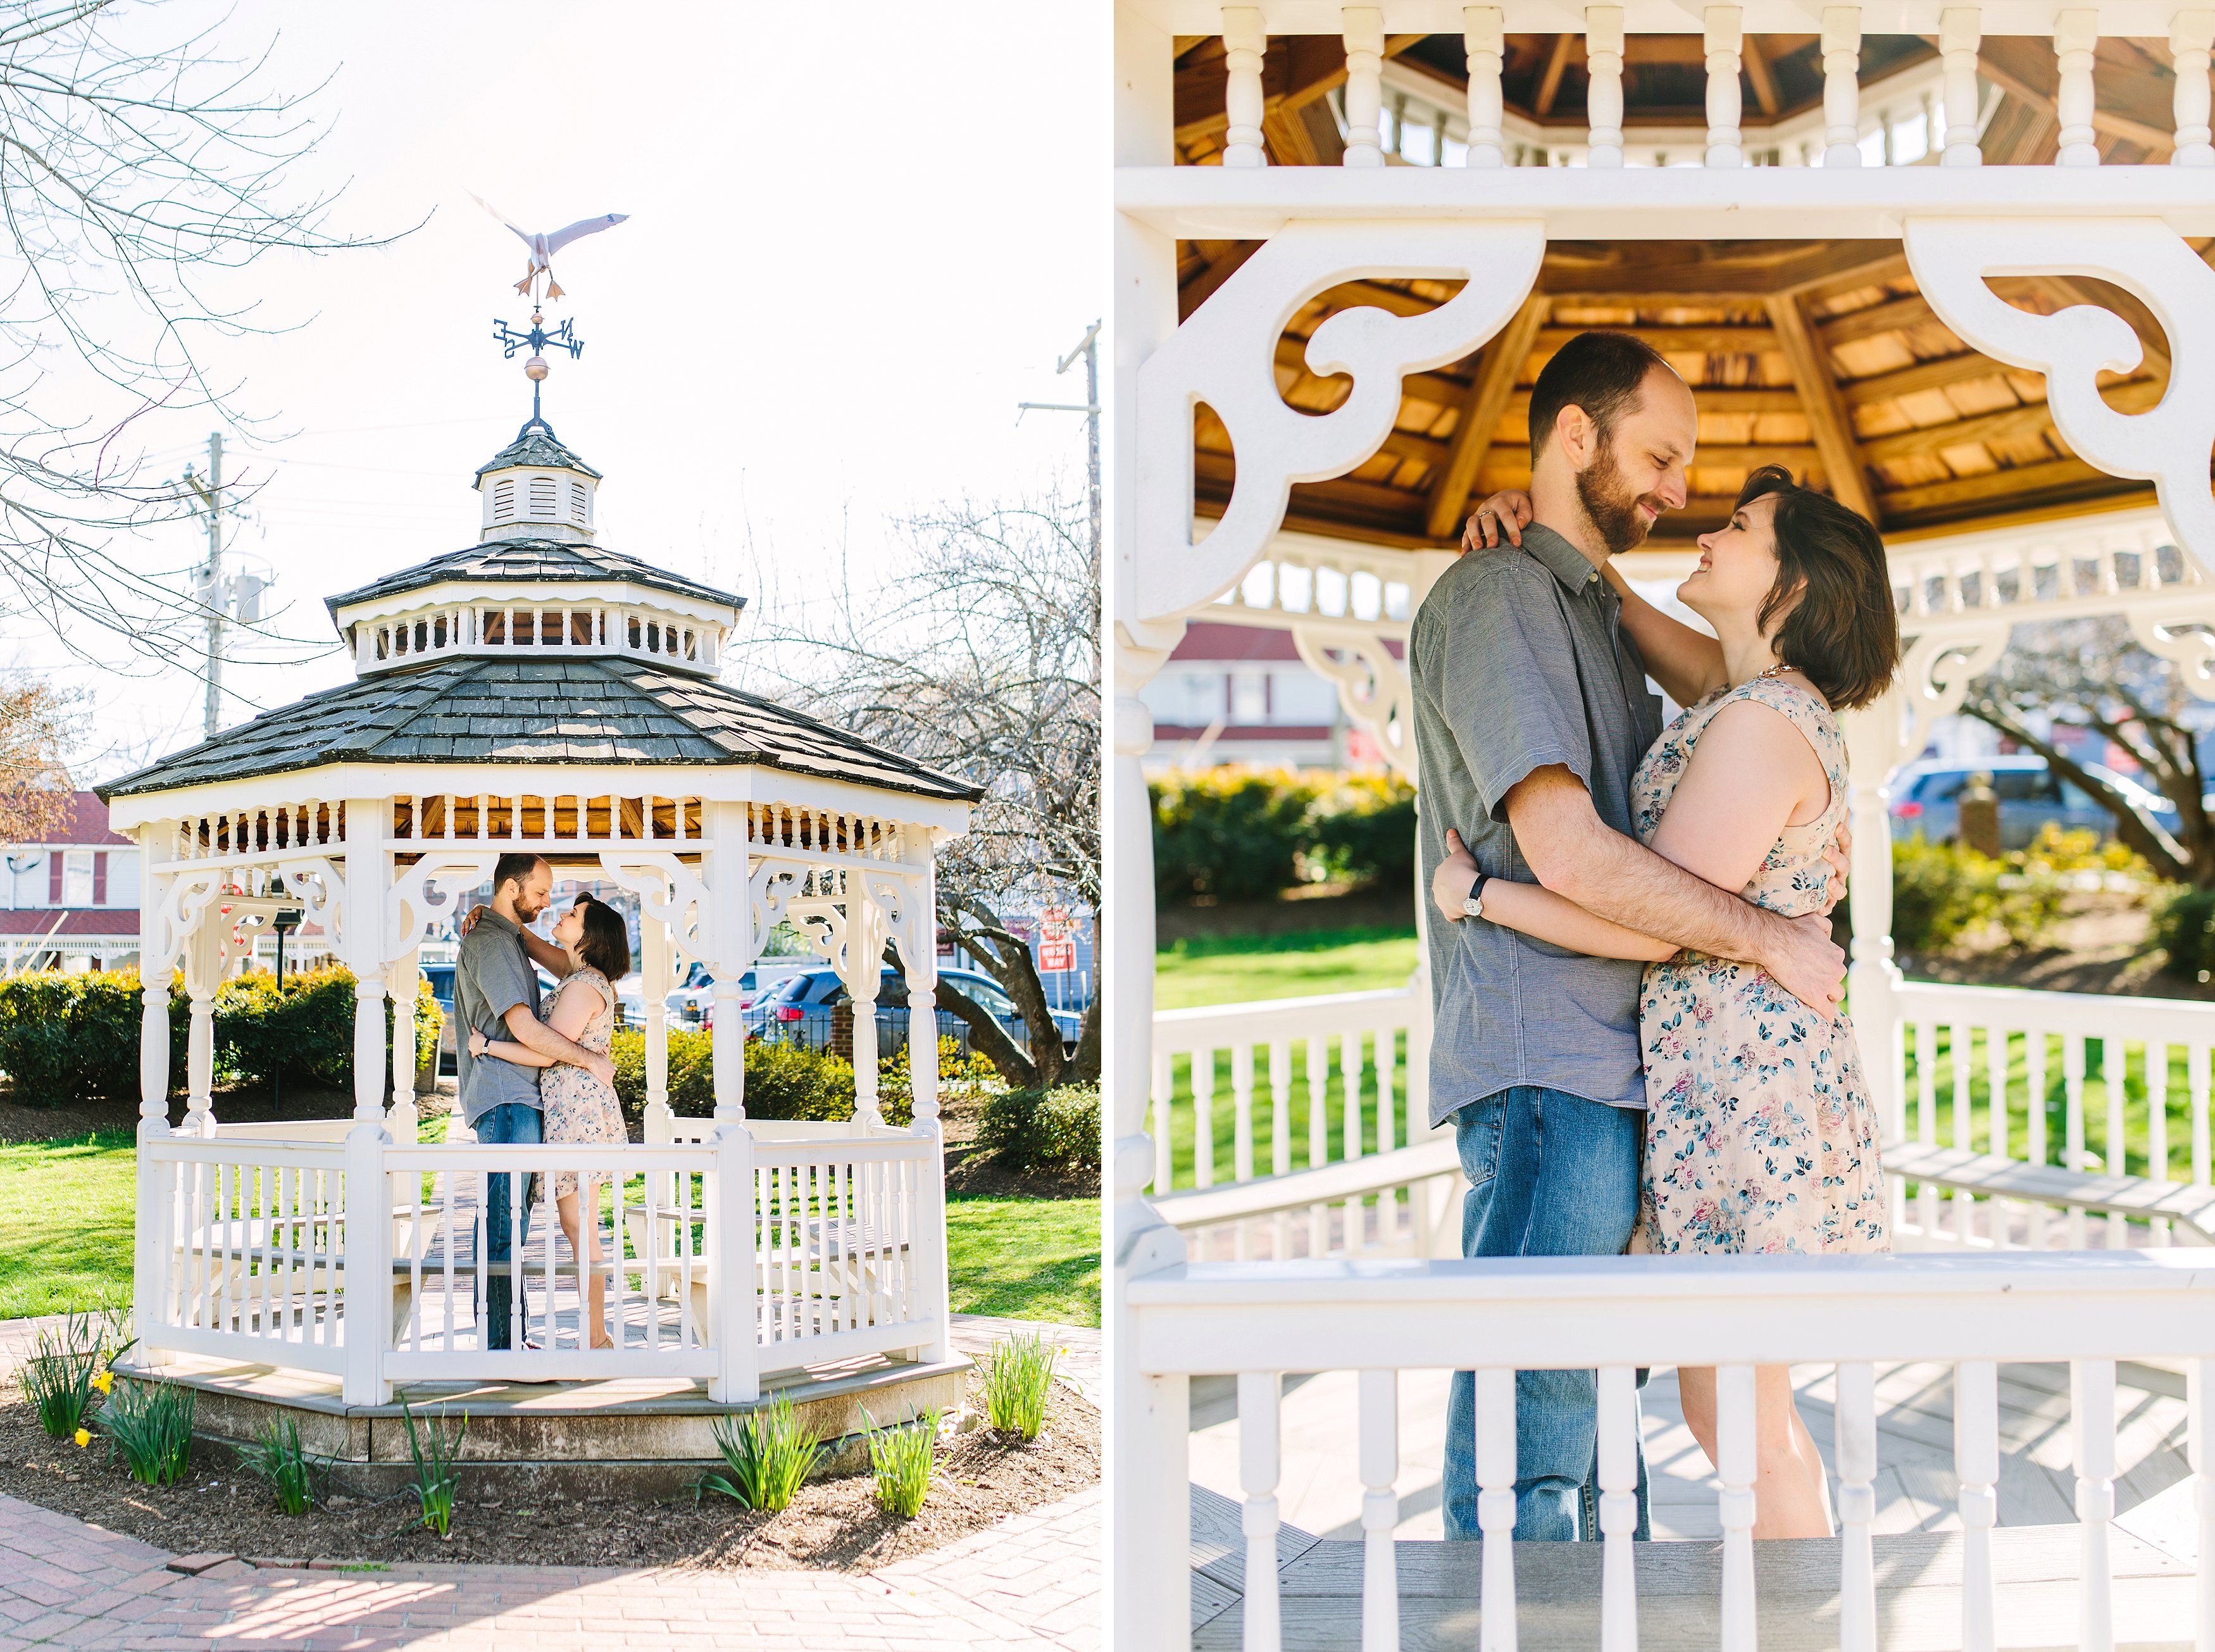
column 1472, row 905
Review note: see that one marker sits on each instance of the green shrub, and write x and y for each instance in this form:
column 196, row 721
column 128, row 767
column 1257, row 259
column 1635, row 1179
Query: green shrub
column 1044, row 1130
column 783, row 1081
column 1942, row 892
column 2184, row 925
column 901, row 1459
column 1364, row 830
column 1016, row 1384
column 1228, row 833
column 150, row 1426
column 71, row 1038
column 769, row 1456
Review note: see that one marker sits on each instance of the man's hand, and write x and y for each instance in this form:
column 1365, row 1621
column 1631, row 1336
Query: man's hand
column 1505, row 515
column 1807, row 963
column 1455, row 877
column 1839, row 853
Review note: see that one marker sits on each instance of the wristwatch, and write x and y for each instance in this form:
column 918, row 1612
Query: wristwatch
column 1472, row 904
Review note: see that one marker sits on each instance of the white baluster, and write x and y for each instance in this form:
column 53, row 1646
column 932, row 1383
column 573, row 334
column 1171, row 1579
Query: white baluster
column 1725, row 30
column 1260, row 1463
column 1365, row 100
column 1495, row 1507
column 1280, row 1108
column 2111, row 1063
column 1604, row 101
column 1959, row 1041
column 1734, row 1436
column 1164, row 1090
column 1857, row 1441
column 2191, row 33
column 1926, row 1121
column 1242, row 1096
column 2156, row 1088
column 1318, row 1139
column 1484, row 45
column 1350, row 1075
column 1996, row 1088
column 1618, row 1508
column 2073, row 1153
column 1842, row 85
column 1380, row 1510
column 1203, row 1118
column 2199, row 1449
column 2092, row 1434
column 2033, row 1050
column 1245, row 40
column 1977, row 1465
column 2076, row 36
column 2199, row 1144
column 1961, row 32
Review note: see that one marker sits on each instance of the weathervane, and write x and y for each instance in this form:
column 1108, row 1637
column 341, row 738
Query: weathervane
column 536, row 369
column 543, row 245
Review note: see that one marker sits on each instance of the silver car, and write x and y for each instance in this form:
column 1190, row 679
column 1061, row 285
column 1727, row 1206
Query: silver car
column 1926, row 800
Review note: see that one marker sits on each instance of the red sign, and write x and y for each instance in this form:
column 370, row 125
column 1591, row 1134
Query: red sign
column 1057, row 952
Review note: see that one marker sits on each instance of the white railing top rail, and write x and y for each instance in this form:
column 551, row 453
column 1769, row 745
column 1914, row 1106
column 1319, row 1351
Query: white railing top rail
column 630, row 1158
column 878, row 1150
column 1269, row 1019
column 290, row 1155
column 1539, row 1313
column 2169, row 1021
column 1340, row 1179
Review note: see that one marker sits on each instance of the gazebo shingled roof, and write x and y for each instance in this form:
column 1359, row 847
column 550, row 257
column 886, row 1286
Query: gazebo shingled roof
column 537, row 711
column 533, row 561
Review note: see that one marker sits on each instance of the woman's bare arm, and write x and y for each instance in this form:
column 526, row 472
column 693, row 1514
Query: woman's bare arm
column 1752, row 774
column 575, row 1003
column 503, row 1049
column 1536, row 911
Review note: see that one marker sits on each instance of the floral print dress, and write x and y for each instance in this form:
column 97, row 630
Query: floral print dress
column 575, row 1105
column 1760, row 1134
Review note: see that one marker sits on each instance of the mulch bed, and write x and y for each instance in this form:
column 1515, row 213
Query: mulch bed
column 833, row 1525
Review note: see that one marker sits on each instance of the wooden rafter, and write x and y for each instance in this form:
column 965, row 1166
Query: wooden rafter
column 1934, row 374
column 1995, row 64
column 1550, row 83
column 2032, row 418
column 1494, row 382
column 1894, row 315
column 1757, row 71
column 1202, row 286
column 1701, row 340
column 2015, row 481
column 1827, row 418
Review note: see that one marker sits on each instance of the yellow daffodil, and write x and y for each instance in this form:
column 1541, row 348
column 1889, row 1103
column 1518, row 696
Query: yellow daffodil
column 105, row 1381
column 84, row 1437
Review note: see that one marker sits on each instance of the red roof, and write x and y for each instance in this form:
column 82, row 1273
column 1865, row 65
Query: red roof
column 1212, row 639
column 74, row 921
column 83, row 823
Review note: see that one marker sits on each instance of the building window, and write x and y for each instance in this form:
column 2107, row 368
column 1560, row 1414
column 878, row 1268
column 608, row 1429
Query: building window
column 76, row 878
column 1250, row 697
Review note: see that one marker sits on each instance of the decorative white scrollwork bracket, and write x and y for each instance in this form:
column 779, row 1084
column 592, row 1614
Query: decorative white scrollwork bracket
column 183, row 910
column 670, row 891
column 429, row 890
column 1225, row 356
column 1372, row 688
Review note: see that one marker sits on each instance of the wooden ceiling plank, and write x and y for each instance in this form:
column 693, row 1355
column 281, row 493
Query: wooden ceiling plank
column 2136, row 397
column 1934, row 374
column 1705, row 341
column 1827, row 418
column 1488, row 392
column 1993, row 65
column 1998, row 484
column 1893, row 315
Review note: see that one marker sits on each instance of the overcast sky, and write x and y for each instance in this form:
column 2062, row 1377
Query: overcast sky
column 855, row 241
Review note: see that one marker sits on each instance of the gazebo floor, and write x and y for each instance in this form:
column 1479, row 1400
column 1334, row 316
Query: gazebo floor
column 646, row 1437
column 1557, row 1590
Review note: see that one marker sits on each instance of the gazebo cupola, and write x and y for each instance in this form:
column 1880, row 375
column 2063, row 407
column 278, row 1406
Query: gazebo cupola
column 536, row 583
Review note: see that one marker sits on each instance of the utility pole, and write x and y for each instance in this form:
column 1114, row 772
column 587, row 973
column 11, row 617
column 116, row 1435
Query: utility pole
column 208, row 583
column 1089, row 348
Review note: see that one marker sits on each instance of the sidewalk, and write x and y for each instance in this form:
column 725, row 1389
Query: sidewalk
column 1032, row 1582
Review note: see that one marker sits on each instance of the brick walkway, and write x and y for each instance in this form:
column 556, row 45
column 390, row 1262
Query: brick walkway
column 1032, row 1582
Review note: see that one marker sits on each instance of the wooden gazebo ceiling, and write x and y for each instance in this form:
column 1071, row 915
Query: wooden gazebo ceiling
column 1544, row 79
column 1820, row 356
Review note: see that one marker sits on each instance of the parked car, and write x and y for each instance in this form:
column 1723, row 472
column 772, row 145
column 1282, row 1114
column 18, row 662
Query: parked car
column 1925, row 799
column 441, row 977
column 800, row 1008
column 690, row 1005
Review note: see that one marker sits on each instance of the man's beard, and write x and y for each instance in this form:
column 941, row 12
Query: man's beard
column 1612, row 507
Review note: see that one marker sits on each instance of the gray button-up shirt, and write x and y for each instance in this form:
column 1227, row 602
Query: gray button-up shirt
column 1518, row 661
column 494, row 975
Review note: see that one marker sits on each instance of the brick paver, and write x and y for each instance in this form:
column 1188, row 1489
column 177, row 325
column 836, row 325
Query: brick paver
column 1031, row 1582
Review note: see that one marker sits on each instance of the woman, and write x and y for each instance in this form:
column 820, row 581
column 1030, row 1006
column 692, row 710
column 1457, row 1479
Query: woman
column 1760, row 1133
column 577, row 1107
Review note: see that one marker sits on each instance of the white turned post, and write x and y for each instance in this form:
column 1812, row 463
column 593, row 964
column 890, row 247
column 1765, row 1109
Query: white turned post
column 919, row 962
column 2092, row 1438
column 866, row 964
column 403, row 985
column 1495, row 1507
column 1245, row 40
column 1724, row 35
column 1618, row 1508
column 154, row 1224
column 1961, row 32
column 2191, row 34
column 1380, row 1510
column 203, row 950
column 731, row 1266
column 2199, row 1397
column 1873, row 980
column 1484, row 45
column 1735, row 1446
column 1977, row 1465
column 1365, row 92
column 660, row 1123
column 730, row 896
column 2076, row 35
column 1856, row 1446
column 1260, row 1465
column 1603, row 52
column 368, row 880
column 1842, row 86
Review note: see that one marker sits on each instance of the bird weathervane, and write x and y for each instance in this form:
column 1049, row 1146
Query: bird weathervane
column 543, row 245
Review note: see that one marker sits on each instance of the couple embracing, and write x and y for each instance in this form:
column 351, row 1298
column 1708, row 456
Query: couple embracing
column 1638, row 1036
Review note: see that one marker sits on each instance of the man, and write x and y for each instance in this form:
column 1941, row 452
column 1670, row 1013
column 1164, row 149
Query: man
column 496, row 993
column 1531, row 715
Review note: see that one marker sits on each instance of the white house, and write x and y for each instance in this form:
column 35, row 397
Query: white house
column 71, row 902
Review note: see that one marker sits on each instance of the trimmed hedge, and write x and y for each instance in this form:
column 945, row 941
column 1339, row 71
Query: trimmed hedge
column 1235, row 834
column 2184, row 925
column 1044, row 1129
column 1941, row 892
column 71, row 1038
column 782, row 1081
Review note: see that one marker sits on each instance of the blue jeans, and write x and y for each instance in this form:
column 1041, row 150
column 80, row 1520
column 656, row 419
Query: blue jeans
column 512, row 1123
column 1550, row 1174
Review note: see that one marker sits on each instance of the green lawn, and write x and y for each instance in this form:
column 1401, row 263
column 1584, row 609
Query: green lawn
column 66, row 1239
column 1240, row 968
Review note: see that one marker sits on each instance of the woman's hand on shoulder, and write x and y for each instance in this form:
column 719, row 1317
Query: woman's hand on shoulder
column 1505, row 515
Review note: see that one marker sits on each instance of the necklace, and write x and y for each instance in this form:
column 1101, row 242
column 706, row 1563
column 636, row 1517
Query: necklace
column 1776, row 670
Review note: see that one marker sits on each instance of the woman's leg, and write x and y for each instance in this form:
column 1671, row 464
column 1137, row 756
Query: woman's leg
column 1791, row 1498
column 583, row 1234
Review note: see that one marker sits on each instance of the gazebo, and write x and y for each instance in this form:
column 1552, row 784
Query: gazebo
column 539, row 691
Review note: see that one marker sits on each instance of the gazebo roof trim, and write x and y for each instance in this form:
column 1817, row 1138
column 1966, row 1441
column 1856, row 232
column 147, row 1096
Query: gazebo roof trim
column 610, row 710
column 527, row 559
